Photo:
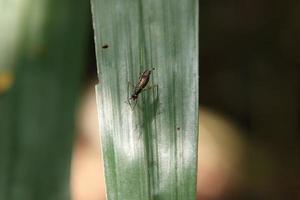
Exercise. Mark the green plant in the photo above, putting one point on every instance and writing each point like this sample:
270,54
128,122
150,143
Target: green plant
150,152
37,113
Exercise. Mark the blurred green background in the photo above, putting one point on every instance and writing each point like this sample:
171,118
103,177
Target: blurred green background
249,74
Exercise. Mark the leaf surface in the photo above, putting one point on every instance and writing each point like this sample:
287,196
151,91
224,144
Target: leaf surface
150,151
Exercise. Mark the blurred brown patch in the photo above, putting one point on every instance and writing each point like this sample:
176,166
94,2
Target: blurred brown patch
6,81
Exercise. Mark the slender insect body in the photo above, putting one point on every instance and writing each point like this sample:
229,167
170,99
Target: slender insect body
140,86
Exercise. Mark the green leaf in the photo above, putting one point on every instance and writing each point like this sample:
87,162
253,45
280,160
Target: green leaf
150,151
36,114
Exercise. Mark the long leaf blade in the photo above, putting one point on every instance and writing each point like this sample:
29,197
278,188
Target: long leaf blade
150,152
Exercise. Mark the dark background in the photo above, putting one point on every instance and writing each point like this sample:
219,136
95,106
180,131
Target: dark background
249,70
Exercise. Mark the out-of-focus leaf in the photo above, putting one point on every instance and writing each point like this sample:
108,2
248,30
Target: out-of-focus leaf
150,152
11,17
36,114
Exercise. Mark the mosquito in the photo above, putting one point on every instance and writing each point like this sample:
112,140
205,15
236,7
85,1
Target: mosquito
140,86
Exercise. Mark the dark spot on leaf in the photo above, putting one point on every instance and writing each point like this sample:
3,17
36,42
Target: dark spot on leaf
178,128
105,46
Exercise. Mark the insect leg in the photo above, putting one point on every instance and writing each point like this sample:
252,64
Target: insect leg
128,94
134,104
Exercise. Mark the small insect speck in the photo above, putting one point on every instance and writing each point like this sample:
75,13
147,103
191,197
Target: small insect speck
178,128
140,86
105,46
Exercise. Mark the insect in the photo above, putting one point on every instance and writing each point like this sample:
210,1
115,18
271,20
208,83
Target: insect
140,86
